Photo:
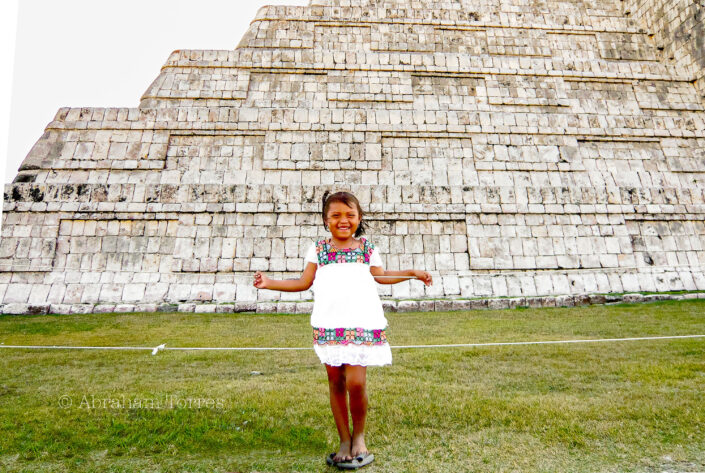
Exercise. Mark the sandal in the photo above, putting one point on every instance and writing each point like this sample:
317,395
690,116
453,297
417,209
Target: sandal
331,462
357,462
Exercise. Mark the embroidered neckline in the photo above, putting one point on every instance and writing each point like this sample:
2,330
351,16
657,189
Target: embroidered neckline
327,254
361,241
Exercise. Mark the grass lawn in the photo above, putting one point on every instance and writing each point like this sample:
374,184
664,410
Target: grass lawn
594,407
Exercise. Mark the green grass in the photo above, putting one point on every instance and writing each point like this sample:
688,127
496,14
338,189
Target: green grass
598,407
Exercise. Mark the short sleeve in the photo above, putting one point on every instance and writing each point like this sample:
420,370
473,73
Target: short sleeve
375,258
311,255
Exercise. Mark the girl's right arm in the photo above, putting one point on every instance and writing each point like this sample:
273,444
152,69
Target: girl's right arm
287,285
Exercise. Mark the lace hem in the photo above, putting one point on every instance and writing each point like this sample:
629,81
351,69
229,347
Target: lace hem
363,355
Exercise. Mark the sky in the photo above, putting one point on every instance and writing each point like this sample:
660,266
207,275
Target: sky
97,53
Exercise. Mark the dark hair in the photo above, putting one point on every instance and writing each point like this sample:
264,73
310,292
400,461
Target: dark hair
346,198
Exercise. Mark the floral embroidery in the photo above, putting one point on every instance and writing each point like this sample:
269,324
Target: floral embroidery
327,254
346,336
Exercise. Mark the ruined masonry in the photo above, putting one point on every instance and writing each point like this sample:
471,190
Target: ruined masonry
535,152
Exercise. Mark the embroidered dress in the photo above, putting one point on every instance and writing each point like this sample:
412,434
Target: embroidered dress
347,319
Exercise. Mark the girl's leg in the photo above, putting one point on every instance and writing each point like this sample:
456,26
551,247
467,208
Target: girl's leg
356,383
339,406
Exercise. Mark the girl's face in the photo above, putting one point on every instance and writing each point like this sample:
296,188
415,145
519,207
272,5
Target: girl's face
342,220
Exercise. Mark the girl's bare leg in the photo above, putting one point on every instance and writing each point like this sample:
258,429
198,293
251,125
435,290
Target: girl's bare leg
339,406
356,383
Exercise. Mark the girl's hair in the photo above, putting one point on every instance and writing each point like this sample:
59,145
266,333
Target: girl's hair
346,198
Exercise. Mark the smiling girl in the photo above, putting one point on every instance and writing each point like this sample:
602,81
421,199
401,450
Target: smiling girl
349,327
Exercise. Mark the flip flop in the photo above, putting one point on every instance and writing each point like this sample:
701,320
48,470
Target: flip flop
357,462
330,461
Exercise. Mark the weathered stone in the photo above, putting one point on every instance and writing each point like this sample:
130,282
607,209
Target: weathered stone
520,164
286,308
460,304
124,308
103,308
60,308
208,308
25,309
167,308
478,304
498,304
657,297
85,309
408,306
389,306
145,307
633,297
266,307
443,306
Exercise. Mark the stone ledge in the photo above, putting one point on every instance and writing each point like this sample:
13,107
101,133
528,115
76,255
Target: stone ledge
305,307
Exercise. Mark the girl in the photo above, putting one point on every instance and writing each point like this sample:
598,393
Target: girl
348,321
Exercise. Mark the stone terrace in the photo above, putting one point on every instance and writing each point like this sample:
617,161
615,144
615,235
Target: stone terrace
542,151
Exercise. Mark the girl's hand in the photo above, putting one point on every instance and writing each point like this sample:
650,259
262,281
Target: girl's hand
423,276
261,281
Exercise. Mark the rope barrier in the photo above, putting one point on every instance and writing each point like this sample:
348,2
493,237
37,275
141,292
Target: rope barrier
163,346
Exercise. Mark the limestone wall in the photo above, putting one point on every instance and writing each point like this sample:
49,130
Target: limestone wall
512,149
678,29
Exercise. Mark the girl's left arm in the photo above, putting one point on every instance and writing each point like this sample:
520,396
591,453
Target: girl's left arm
418,274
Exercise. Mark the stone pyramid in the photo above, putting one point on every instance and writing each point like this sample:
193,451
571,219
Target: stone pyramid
524,152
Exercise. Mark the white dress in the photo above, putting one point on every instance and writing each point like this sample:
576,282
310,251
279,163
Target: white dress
348,320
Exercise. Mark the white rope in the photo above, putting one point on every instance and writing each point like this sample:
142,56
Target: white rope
549,342
163,346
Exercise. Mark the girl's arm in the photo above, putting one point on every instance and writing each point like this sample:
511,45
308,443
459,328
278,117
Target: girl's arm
287,285
418,274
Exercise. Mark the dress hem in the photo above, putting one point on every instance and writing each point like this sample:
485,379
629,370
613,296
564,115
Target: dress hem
351,354
357,364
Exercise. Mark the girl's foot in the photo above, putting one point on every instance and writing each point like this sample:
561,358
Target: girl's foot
344,454
358,446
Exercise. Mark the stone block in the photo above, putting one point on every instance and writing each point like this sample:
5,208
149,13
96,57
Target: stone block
205,308
460,304
224,292
286,308
389,306
39,294
84,309
146,307
103,308
478,304
304,307
565,301
167,307
133,292
187,307
497,304
632,297
17,293
408,306
426,306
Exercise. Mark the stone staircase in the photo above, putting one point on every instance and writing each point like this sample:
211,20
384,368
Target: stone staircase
525,153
